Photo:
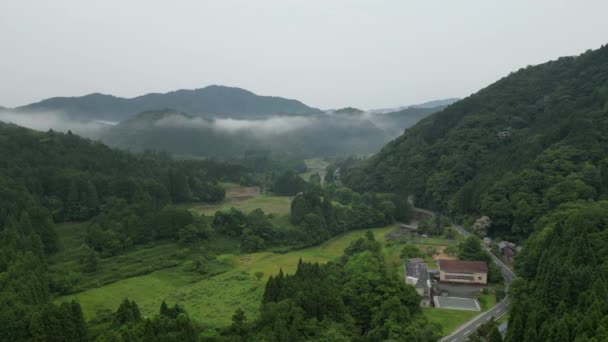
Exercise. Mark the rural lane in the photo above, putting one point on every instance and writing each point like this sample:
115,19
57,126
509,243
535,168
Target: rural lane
500,309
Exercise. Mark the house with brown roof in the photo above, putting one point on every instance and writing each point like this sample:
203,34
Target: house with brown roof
463,271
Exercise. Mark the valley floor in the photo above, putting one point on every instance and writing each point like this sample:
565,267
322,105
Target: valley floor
213,300
163,272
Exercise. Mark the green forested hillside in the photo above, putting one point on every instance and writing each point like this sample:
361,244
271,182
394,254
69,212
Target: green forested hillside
562,296
512,151
396,122
531,152
124,206
53,177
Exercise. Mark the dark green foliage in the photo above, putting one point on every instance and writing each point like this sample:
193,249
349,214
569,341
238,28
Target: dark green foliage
354,299
486,332
254,229
75,178
90,263
231,223
288,184
122,225
173,324
513,151
128,312
411,251
46,177
59,323
319,218
495,336
239,329
564,266
470,249
172,312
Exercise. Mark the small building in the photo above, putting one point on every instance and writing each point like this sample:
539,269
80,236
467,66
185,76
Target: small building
463,271
417,274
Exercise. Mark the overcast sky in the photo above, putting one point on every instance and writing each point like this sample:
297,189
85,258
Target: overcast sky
328,54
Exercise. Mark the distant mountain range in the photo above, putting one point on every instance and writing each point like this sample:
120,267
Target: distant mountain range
429,104
211,101
218,121
346,131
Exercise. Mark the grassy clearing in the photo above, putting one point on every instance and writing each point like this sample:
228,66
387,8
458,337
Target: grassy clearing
487,301
268,203
447,318
451,319
213,300
314,165
434,241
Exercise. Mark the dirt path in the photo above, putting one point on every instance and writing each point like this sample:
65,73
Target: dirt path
442,255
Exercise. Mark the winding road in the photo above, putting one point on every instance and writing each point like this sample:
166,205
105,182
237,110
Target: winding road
500,309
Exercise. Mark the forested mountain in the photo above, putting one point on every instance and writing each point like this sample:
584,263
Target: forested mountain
531,152
349,110
512,151
428,104
436,103
212,101
306,136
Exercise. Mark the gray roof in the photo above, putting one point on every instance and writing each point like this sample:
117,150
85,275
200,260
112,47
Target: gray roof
418,270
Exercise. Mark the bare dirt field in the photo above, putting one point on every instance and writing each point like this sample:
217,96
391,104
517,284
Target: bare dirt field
442,255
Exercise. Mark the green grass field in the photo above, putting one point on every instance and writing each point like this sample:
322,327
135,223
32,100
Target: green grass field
448,319
268,203
211,301
434,241
314,165
452,319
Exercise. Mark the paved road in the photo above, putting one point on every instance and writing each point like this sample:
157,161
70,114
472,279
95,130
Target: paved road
460,334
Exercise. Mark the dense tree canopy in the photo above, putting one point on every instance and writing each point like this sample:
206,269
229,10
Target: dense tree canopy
54,177
513,151
356,298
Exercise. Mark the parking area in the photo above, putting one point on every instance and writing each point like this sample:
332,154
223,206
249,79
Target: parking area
456,303
458,290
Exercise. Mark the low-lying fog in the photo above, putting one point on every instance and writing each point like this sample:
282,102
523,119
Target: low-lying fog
44,121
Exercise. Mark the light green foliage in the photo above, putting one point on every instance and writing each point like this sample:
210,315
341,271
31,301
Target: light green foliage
411,251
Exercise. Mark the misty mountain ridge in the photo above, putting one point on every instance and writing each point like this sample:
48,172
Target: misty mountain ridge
347,110
210,101
428,104
311,135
